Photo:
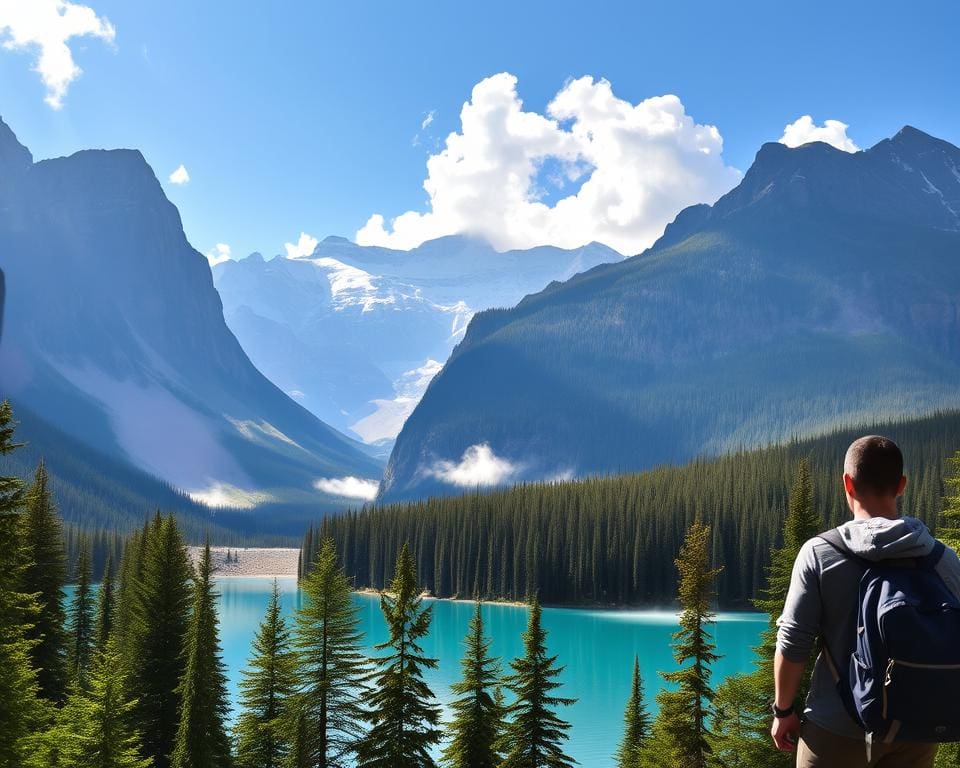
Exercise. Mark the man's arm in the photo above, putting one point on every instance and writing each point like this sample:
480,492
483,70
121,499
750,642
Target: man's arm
786,683
797,630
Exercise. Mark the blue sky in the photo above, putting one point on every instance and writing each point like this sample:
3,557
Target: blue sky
302,116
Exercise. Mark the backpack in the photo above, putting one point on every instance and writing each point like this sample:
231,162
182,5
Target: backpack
904,674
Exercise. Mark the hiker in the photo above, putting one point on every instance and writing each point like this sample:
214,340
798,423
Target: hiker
878,546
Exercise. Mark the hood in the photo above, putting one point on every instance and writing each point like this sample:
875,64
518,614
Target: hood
879,538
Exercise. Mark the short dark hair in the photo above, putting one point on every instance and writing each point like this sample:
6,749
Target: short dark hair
876,465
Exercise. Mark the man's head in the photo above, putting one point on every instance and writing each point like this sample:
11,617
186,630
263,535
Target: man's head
873,475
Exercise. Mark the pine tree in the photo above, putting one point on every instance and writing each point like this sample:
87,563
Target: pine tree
128,598
202,740
20,711
330,666
93,728
741,733
534,735
636,723
105,608
949,529
160,617
477,718
266,691
746,698
685,712
403,714
45,575
81,622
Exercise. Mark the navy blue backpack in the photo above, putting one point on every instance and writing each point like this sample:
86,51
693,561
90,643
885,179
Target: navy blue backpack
904,675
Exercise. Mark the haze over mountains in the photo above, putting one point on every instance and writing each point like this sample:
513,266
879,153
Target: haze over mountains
356,333
824,289
115,334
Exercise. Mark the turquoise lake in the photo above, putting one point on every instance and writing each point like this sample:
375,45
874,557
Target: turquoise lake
596,648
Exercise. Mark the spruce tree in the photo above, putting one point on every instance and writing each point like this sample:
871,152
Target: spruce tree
534,734
156,656
81,620
477,718
636,723
402,712
44,575
685,712
103,629
262,730
202,740
20,711
330,666
128,597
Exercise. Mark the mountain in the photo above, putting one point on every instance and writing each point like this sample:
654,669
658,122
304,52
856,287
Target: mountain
823,290
356,333
114,333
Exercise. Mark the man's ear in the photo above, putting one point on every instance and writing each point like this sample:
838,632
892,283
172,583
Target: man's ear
902,486
848,485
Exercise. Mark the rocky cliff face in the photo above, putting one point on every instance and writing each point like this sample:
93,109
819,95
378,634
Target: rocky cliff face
824,289
115,333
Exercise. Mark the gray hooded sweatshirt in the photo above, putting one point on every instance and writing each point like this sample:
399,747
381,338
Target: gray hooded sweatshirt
822,602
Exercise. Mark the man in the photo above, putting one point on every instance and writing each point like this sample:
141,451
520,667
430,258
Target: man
822,603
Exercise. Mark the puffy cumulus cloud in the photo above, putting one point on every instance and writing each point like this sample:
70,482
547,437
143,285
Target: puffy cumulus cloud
803,130
218,254
348,487
45,28
303,248
620,171
478,466
180,176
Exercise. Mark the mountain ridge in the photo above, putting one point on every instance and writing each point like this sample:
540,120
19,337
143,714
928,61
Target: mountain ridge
818,257
114,332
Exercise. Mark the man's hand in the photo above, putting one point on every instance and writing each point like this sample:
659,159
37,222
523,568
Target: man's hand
785,732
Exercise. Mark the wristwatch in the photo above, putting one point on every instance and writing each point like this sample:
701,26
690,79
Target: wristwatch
780,713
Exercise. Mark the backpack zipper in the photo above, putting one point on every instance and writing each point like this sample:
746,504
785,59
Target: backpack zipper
912,665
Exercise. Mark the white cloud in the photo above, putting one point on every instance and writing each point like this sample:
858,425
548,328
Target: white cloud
428,119
303,248
803,130
45,27
478,466
348,487
218,254
180,176
639,165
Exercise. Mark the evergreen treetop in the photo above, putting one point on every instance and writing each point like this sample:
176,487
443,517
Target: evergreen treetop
266,690
476,727
330,666
636,722
534,734
402,712
202,740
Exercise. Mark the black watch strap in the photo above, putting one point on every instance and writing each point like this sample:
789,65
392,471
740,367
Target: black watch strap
780,713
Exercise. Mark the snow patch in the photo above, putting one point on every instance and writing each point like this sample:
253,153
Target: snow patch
254,431
219,495
386,422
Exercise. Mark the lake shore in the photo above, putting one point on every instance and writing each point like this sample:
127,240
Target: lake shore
251,562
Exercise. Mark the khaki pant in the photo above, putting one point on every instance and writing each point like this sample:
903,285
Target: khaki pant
821,749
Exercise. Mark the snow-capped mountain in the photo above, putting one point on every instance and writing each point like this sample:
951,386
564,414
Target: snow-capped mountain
355,334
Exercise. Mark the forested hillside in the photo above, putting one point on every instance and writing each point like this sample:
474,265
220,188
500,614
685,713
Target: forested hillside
613,540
